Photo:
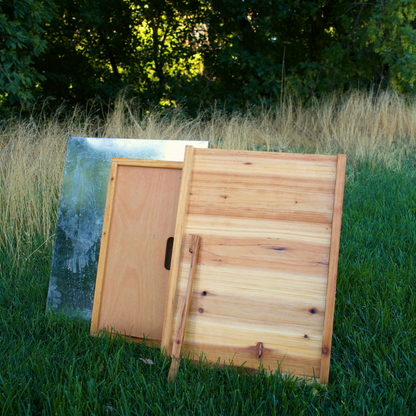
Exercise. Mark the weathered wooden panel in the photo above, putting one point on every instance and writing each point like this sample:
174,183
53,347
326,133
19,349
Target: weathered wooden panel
264,287
132,281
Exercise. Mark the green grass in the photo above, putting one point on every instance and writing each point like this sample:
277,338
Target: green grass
51,365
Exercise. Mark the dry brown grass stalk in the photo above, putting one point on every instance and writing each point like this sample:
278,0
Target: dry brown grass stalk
380,128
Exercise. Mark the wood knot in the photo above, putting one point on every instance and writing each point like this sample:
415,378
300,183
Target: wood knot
260,349
325,350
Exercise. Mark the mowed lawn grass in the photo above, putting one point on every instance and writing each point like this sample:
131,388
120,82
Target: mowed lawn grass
51,365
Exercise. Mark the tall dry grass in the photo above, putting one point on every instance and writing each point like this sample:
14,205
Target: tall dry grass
380,128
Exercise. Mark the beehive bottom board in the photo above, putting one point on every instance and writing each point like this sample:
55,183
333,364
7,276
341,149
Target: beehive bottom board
264,286
132,277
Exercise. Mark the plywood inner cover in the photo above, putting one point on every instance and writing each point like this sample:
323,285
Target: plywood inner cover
135,279
260,288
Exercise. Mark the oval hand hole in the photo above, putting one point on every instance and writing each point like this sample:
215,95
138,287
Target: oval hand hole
168,255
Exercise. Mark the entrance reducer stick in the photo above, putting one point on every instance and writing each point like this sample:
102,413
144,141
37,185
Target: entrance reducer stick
183,310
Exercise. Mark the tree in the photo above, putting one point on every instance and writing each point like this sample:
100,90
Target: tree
169,40
356,44
22,28
233,52
392,33
91,50
97,47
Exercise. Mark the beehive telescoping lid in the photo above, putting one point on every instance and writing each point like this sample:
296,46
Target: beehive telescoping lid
264,287
81,213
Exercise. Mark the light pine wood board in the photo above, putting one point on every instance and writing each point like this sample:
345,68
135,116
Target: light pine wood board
265,281
140,216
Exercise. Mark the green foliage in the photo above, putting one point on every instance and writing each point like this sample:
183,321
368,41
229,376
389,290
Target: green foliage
392,32
91,46
203,53
241,52
97,47
50,365
22,25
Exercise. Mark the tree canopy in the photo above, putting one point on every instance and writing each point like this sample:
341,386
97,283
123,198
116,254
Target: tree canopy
201,52
22,38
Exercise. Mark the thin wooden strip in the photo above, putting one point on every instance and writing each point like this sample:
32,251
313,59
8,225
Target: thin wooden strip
295,158
266,213
277,244
275,284
274,177
275,182
301,289
103,248
241,352
267,207
285,186
298,347
268,170
233,326
144,163
183,312
290,362
177,248
332,269
264,253
245,353
217,197
278,310
260,228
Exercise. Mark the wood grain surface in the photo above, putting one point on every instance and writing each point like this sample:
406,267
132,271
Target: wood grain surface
332,269
177,248
132,281
265,284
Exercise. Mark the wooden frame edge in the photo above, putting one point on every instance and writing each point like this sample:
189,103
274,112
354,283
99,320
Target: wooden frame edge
96,307
332,269
177,246
146,163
